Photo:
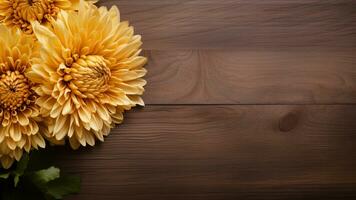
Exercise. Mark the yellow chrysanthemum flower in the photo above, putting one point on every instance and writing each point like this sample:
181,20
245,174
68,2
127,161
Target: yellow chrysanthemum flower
90,71
20,13
19,128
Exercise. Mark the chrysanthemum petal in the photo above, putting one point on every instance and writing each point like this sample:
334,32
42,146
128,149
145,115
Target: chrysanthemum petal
22,119
15,133
93,73
19,113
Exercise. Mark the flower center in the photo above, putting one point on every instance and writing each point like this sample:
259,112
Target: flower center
15,90
88,76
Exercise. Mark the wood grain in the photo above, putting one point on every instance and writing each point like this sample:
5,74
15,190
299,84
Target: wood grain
234,98
242,24
223,152
251,77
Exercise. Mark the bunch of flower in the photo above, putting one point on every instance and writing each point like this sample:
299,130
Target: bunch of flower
68,71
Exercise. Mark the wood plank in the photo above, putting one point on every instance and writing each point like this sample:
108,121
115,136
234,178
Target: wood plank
251,77
223,152
242,24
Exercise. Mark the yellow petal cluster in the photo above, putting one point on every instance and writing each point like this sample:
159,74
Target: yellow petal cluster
19,114
72,82
88,73
20,13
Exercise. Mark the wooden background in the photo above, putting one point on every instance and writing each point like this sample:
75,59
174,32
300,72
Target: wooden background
246,99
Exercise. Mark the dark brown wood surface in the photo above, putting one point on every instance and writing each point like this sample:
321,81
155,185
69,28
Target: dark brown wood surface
246,99
251,77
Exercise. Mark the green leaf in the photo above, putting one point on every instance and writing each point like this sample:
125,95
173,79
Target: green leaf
41,177
31,184
63,186
22,165
49,182
16,180
20,168
5,176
